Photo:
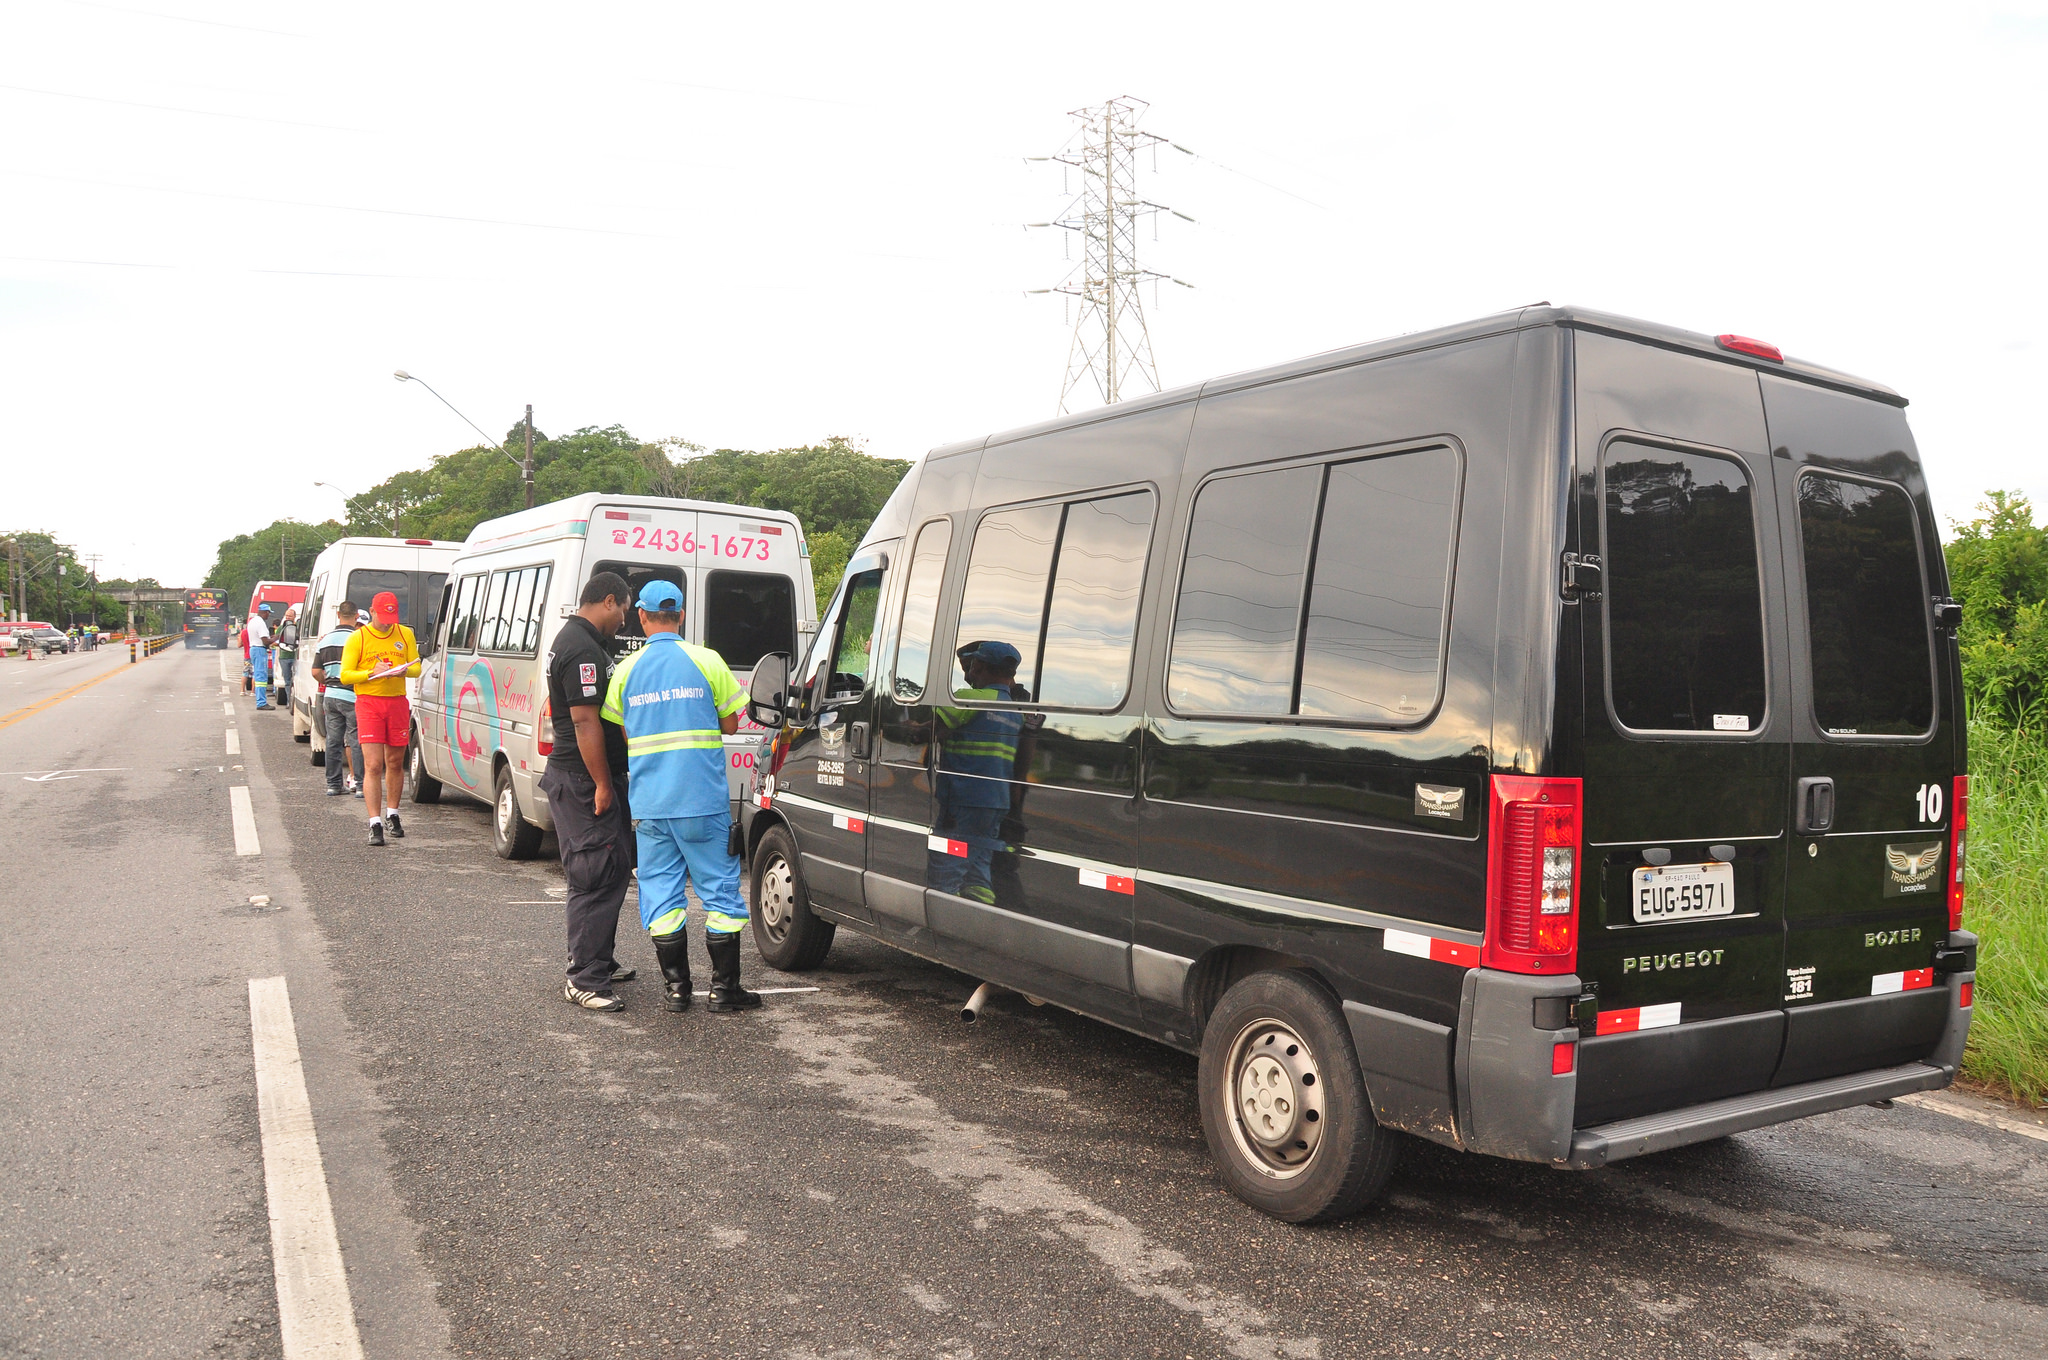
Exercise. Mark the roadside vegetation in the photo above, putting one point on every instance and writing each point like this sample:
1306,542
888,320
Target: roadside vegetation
1998,568
833,488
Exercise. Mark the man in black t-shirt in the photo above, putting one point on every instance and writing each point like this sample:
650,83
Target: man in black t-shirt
585,784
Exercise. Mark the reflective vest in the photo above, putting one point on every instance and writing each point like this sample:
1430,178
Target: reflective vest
669,697
981,742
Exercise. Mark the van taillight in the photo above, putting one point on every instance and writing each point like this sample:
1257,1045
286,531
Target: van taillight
1532,876
544,730
1958,828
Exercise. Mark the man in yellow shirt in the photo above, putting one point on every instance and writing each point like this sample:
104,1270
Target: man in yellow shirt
376,663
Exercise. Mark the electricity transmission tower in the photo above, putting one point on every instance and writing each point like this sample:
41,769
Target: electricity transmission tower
1111,344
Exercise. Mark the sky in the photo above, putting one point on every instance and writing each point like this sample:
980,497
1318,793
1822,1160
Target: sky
224,225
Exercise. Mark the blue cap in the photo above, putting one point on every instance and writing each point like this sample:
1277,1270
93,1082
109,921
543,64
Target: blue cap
661,597
999,654
263,609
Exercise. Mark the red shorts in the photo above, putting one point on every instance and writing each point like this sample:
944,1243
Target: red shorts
383,719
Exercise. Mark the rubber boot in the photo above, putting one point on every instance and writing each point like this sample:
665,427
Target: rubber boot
726,993
674,953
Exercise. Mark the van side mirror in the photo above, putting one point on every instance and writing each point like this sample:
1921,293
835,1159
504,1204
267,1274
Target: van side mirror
768,690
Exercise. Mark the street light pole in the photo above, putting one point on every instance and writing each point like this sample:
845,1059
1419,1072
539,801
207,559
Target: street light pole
525,468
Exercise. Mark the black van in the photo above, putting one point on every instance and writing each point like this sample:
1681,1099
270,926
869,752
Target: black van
1542,736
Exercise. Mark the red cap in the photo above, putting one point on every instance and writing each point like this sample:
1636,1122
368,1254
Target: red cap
384,607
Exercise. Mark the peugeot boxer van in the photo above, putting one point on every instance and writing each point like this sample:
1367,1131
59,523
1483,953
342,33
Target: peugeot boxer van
1541,736
415,570
481,724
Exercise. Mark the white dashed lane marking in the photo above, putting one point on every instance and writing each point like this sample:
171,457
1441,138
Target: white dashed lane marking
314,1314
234,742
245,821
227,708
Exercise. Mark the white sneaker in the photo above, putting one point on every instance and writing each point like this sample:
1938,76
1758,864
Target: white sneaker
590,1001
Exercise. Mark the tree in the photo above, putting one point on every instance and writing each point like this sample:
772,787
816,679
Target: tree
1998,569
59,587
283,551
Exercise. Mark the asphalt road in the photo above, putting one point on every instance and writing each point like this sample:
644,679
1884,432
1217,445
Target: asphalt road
849,1173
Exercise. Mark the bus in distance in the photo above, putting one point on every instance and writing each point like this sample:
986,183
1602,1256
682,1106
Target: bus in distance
206,618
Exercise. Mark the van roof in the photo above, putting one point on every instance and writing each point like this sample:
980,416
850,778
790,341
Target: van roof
576,510
1522,318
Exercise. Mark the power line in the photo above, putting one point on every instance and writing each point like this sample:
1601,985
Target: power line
1111,345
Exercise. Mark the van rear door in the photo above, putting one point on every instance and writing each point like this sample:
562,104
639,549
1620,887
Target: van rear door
1874,742
1686,742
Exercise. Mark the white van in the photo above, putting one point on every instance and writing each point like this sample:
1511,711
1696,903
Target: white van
481,724
356,569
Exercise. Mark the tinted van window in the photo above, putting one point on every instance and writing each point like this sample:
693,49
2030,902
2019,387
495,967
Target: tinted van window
748,614
1685,643
1091,617
365,582
638,576
462,631
1373,639
921,609
1866,608
1239,613
1004,600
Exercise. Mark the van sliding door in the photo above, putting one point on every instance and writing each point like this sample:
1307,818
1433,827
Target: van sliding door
1686,735
1874,747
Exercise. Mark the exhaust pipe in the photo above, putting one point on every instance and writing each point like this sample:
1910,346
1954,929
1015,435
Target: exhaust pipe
972,1010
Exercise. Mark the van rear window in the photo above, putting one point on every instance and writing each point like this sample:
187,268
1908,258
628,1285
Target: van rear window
1866,609
748,614
1685,640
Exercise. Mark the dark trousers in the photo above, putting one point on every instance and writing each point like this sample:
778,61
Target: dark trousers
597,862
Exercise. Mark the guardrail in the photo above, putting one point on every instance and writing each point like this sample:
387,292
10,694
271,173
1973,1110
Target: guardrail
150,646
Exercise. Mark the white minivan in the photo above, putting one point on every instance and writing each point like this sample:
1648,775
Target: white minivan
481,724
357,569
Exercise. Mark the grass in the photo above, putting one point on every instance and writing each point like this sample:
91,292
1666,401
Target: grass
2006,904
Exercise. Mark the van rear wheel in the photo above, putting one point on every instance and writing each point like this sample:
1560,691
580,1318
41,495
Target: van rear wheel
790,936
512,836
1283,1102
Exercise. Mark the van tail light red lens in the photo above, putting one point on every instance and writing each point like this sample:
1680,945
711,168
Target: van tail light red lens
1561,1058
1958,842
544,730
1742,344
1532,875
420,542
1969,994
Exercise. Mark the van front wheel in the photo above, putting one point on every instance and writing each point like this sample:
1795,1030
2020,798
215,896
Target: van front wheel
790,936
425,788
1283,1103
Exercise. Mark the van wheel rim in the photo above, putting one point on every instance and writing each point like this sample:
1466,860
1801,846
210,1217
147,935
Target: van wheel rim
778,898
505,813
1275,1092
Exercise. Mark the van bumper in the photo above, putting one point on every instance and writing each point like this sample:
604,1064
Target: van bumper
1626,1138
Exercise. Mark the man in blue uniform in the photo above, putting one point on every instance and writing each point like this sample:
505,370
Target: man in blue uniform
676,703
977,760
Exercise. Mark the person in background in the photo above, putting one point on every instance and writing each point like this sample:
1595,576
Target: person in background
376,663
337,705
259,655
677,703
287,655
248,681
585,785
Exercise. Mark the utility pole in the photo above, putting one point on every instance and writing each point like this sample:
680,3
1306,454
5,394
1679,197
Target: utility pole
526,468
1111,344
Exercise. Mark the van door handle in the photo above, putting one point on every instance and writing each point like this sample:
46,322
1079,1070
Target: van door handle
857,739
1816,805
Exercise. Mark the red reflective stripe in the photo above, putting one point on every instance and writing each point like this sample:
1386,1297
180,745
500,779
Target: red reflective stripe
1450,951
946,847
1919,977
1116,883
1430,947
1637,1018
853,824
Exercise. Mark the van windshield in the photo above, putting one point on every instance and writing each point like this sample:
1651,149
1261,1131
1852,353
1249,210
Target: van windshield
1866,609
1685,642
